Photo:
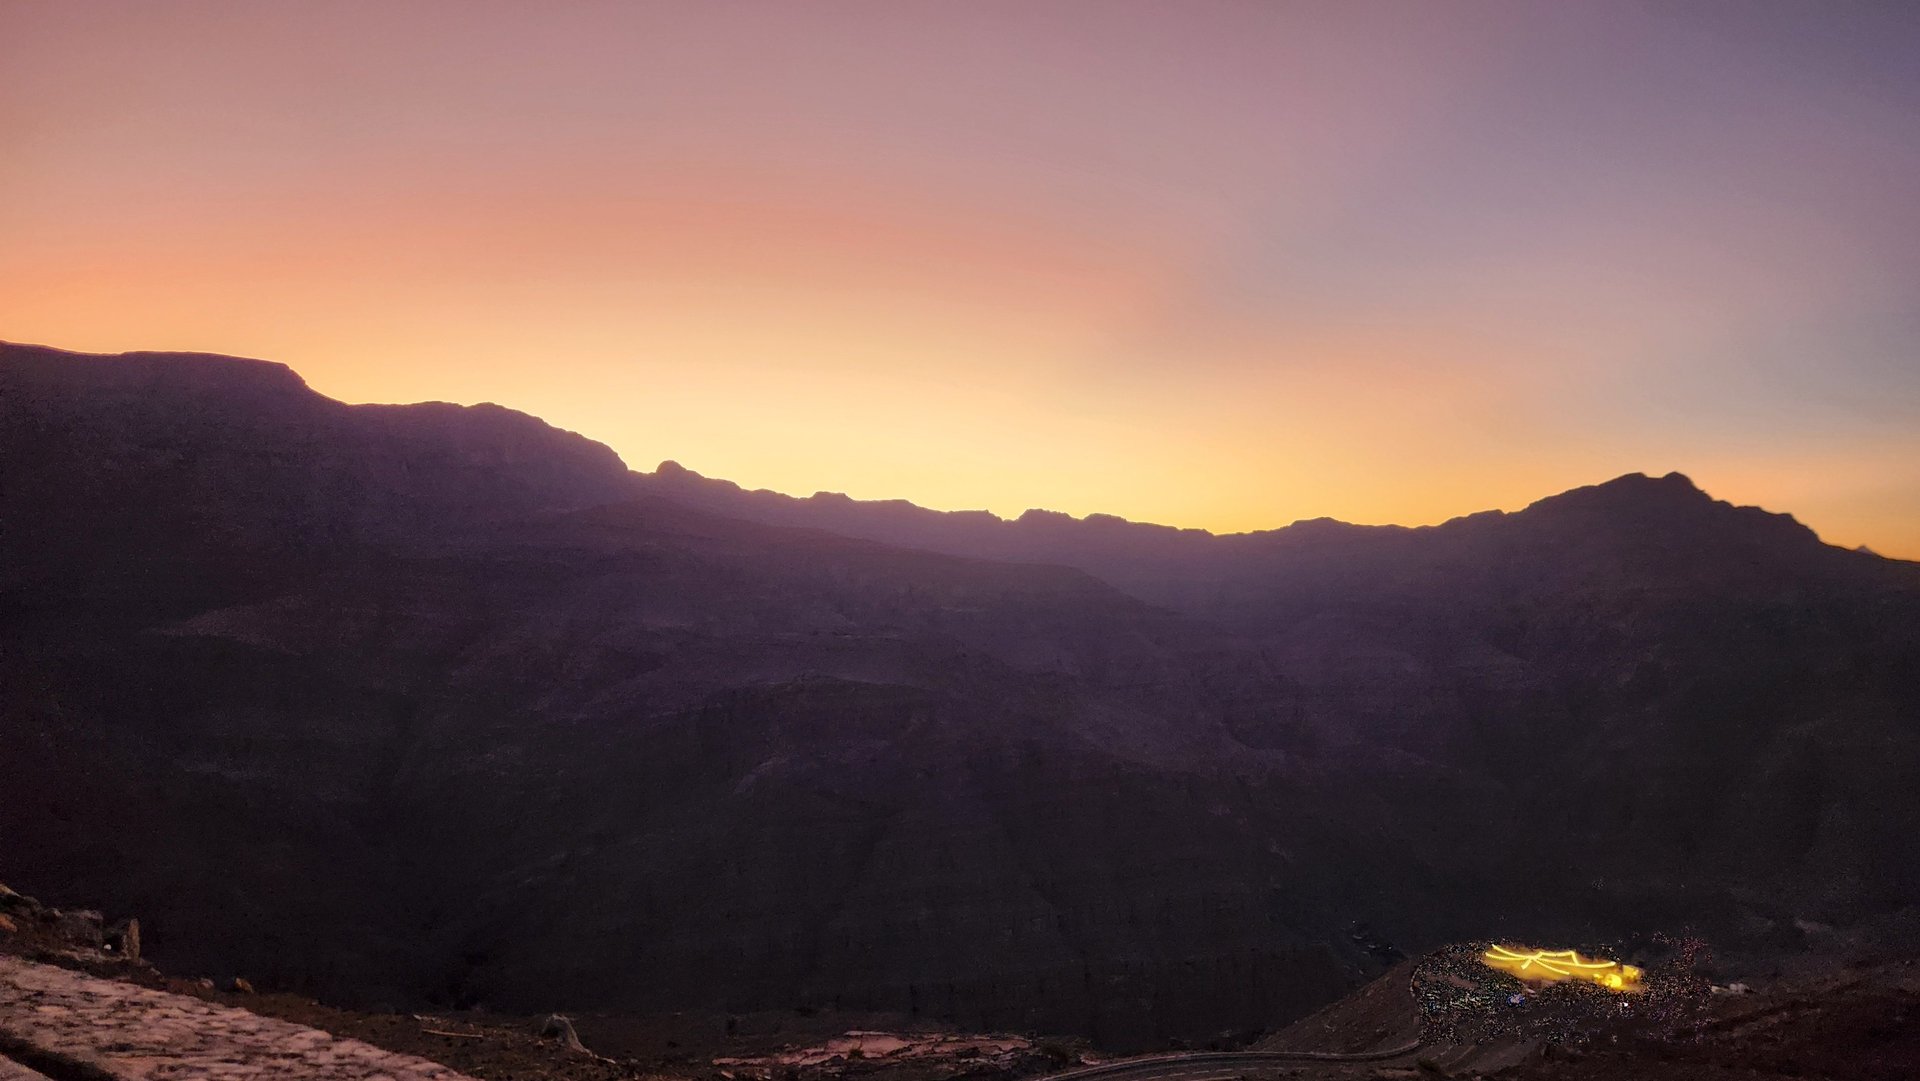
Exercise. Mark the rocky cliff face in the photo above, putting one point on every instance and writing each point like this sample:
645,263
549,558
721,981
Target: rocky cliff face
435,704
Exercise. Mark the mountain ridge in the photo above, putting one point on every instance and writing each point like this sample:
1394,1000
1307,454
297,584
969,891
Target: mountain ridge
212,372
438,704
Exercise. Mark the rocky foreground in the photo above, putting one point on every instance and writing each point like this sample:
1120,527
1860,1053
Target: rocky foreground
64,1021
77,1003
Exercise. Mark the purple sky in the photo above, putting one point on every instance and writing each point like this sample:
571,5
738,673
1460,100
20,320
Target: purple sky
1215,264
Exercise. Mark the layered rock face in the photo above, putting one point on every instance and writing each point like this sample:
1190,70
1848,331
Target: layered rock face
433,704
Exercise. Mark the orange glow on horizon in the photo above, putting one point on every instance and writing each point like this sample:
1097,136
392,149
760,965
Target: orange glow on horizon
842,420
1386,271
846,423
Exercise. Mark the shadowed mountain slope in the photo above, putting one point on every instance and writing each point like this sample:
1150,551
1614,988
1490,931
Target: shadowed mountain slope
1632,532
440,704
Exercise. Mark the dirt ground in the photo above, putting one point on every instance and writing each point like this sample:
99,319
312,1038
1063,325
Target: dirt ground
1860,1025
1858,1022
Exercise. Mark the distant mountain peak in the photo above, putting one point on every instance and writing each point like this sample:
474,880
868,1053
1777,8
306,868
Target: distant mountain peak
1632,493
1672,481
481,456
206,375
1040,514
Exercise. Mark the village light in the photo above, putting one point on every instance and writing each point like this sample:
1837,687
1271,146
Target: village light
1553,966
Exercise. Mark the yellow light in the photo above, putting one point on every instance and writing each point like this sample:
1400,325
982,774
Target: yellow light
1553,966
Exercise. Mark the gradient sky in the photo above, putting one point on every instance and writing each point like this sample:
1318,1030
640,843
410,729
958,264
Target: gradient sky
1212,264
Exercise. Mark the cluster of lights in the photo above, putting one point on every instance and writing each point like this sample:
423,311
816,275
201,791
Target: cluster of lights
1552,966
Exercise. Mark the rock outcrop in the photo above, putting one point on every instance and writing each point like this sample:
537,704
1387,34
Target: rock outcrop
79,937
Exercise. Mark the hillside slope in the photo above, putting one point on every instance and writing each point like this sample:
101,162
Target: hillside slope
440,704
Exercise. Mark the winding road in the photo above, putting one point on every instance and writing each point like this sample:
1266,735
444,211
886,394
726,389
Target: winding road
1217,1065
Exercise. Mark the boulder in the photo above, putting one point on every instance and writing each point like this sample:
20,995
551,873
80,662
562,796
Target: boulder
123,938
557,1027
81,927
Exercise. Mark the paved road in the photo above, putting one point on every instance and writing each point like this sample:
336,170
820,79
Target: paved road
72,1025
1215,1065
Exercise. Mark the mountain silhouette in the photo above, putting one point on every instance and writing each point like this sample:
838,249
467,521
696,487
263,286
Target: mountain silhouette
441,704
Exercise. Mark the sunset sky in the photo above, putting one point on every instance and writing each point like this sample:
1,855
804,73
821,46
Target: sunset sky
1210,264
